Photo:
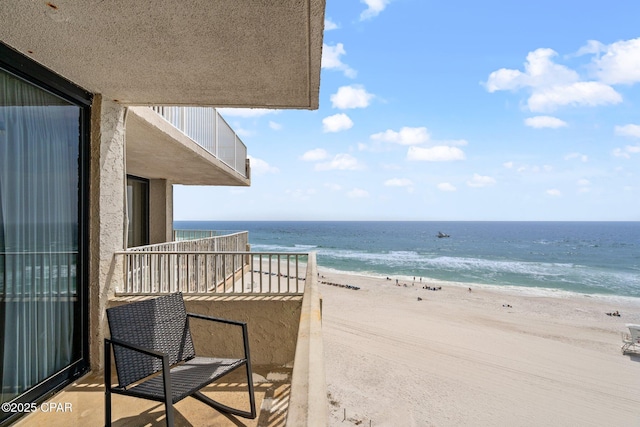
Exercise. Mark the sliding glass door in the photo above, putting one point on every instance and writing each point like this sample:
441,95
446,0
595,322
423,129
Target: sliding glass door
42,239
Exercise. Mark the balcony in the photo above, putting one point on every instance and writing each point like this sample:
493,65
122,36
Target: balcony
275,293
185,145
209,130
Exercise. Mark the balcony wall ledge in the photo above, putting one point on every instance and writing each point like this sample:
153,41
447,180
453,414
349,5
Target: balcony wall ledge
308,405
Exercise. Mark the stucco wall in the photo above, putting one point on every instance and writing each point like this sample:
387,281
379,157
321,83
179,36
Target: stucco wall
272,324
106,217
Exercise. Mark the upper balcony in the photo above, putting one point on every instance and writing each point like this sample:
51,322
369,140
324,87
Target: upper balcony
185,145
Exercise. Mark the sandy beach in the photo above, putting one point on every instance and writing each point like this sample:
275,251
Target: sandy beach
487,357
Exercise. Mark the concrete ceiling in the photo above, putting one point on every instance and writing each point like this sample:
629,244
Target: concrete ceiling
238,53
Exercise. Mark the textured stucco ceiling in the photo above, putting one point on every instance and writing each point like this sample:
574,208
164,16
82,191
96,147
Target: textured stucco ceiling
244,53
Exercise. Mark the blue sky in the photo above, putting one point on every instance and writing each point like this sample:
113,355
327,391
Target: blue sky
457,110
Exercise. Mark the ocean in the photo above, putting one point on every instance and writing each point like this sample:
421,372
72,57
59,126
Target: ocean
594,258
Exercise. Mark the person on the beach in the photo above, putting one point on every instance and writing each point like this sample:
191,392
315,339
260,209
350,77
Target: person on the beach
469,289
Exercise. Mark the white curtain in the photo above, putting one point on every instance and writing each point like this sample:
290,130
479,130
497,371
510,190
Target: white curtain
39,176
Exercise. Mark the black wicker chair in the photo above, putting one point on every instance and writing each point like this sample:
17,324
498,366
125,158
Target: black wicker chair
153,337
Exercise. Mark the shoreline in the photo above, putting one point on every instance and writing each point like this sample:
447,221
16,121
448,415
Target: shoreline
531,291
480,358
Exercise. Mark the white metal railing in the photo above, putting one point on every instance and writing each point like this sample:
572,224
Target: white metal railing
211,273
210,264
208,129
179,235
216,241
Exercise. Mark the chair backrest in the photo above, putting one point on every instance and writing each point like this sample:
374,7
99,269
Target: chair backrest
159,324
634,330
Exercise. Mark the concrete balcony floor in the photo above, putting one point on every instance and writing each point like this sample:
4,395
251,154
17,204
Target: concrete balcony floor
85,397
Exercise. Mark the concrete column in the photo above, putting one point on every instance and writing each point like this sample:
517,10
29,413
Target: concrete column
160,211
107,193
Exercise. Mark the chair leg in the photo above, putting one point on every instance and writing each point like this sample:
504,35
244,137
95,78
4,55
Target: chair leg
107,408
168,395
223,408
107,384
251,414
169,411
252,397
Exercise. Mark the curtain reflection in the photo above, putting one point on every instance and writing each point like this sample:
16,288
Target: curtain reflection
39,165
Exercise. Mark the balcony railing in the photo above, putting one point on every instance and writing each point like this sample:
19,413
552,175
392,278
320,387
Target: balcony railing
220,264
208,129
179,235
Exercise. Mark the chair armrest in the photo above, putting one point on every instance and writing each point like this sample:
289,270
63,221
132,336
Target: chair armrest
147,351
153,353
216,319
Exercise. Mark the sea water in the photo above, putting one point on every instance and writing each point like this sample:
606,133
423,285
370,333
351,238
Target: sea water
596,258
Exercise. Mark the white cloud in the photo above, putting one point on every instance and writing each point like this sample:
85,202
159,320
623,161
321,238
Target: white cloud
358,193
539,122
354,96
330,25
362,146
391,167
579,94
628,130
333,187
398,182
584,186
524,168
552,85
314,155
445,186
627,151
246,112
406,136
275,126
633,149
331,59
592,47
301,194
620,63
340,162
540,71
582,157
480,181
439,153
260,167
336,123
374,7
554,192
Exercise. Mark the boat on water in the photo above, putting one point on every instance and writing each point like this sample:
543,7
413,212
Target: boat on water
441,235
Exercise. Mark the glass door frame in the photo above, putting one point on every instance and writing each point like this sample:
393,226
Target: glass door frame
24,68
